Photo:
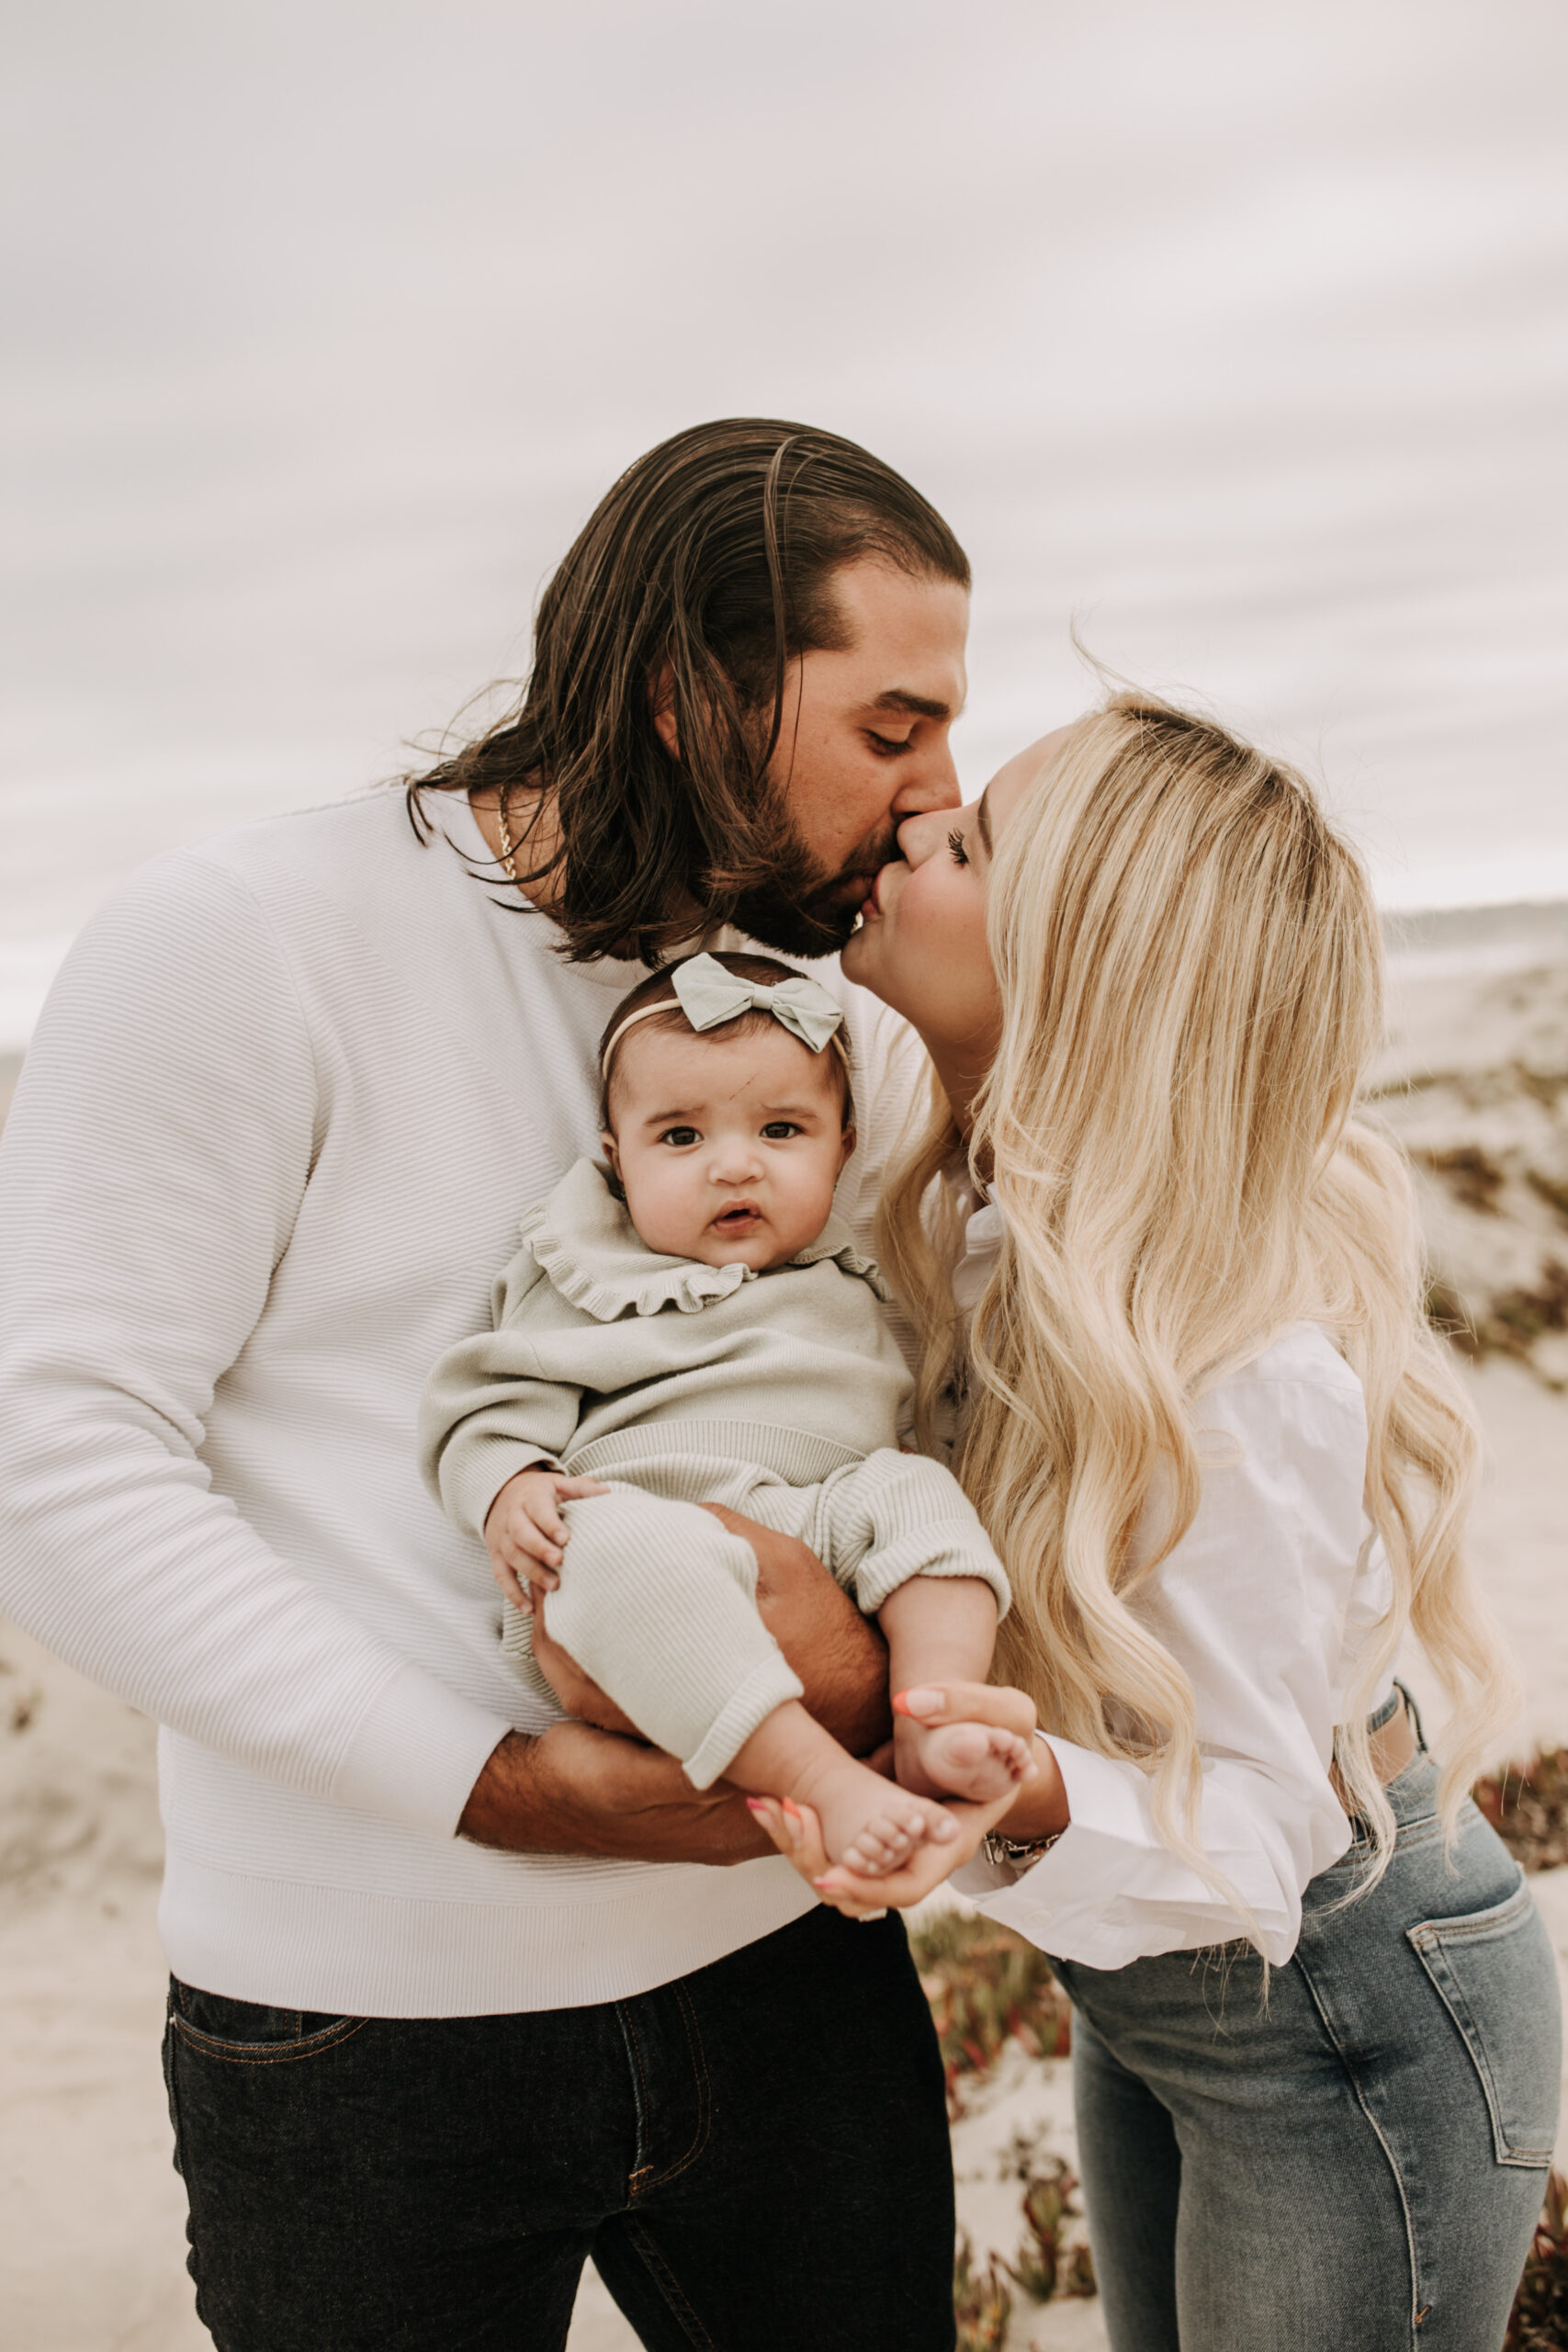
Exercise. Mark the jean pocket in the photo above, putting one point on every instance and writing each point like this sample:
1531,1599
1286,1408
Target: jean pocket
249,2033
1497,1977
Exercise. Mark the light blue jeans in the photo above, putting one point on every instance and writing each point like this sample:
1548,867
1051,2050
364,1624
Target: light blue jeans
1360,2166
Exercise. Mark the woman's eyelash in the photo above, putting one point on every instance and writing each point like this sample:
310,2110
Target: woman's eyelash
956,843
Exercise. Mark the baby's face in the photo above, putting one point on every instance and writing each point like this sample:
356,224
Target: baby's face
728,1149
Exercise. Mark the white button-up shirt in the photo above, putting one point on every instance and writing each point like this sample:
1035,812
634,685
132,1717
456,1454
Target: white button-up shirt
1268,1602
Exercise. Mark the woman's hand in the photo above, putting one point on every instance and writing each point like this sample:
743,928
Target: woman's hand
796,1832
1039,1808
968,1703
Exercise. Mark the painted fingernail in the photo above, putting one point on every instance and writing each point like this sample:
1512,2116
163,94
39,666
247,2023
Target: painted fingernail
755,1804
791,1808
919,1701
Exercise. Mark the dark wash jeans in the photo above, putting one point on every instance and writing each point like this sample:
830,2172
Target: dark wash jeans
756,2156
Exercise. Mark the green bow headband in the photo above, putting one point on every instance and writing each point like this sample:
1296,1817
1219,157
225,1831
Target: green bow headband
709,996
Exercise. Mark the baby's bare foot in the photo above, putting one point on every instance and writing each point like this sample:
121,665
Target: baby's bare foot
872,1826
979,1761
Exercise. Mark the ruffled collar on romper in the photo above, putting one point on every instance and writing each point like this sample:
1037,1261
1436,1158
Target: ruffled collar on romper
589,1250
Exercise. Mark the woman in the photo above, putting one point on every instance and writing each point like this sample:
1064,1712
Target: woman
1175,1295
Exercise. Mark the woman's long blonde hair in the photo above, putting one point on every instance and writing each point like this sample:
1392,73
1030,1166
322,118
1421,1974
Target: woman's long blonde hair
1189,966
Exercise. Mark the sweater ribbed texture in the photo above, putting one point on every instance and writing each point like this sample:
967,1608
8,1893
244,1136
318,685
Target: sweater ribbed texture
287,1102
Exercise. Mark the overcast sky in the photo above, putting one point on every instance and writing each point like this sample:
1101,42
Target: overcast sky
1238,332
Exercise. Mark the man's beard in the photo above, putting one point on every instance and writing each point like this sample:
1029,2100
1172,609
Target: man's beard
800,909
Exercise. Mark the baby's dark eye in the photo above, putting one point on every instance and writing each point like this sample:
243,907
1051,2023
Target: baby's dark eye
679,1138
779,1130
956,843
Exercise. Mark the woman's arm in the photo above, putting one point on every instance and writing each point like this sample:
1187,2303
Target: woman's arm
1253,1603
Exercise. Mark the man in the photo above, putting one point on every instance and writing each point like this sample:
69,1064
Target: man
458,1995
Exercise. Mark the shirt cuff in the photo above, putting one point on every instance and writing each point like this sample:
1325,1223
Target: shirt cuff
417,1753
1102,1794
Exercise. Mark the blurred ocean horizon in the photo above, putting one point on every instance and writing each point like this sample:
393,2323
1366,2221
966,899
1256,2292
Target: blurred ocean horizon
1427,944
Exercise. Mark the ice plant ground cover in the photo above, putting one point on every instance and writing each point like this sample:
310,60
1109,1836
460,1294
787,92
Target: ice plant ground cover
986,1984
988,1987
1052,2259
1528,1806
1540,2320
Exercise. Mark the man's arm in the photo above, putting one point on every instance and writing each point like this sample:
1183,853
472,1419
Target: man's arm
577,1791
838,1653
150,1172
580,1790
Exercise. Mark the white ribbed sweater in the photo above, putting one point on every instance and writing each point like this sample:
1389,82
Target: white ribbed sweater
285,1106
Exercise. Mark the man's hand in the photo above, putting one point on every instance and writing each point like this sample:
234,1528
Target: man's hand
582,1790
838,1655
576,1790
577,1692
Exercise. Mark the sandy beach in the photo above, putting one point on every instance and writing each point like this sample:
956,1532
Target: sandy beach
1474,1081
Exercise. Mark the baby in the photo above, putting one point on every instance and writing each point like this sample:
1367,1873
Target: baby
694,1325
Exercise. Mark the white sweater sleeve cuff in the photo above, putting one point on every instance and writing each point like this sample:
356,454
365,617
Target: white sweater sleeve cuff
417,1753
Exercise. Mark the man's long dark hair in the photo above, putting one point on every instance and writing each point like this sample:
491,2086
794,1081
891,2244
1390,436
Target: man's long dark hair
709,564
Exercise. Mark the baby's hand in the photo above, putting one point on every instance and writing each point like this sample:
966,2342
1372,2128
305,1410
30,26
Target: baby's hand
978,1760
525,1534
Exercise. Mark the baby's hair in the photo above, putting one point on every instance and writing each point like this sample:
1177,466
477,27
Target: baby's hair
660,988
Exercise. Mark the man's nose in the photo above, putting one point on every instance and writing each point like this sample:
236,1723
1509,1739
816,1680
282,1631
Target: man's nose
922,834
930,783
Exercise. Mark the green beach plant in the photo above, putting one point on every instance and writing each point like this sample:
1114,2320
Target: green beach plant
982,2303
986,1984
1528,1806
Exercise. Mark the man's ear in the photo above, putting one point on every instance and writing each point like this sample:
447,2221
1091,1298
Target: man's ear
662,697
